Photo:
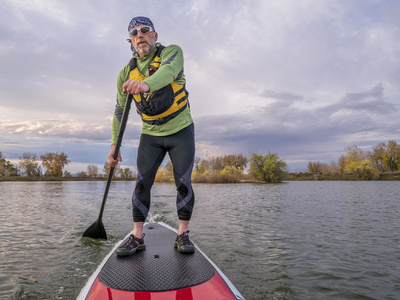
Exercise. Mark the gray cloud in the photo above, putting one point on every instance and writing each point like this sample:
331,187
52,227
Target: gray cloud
303,79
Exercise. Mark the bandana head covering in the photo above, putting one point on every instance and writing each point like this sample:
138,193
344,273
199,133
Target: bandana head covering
140,21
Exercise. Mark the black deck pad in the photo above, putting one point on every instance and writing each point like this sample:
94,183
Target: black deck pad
157,268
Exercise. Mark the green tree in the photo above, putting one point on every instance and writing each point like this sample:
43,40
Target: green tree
12,170
267,167
2,160
106,169
54,163
125,173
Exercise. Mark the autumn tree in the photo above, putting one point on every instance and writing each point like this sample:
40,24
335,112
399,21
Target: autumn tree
219,163
216,163
267,167
386,157
29,164
342,163
169,167
165,173
354,154
356,162
54,163
363,170
393,155
314,167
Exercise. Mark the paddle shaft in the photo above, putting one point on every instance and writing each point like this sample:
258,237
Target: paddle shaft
124,120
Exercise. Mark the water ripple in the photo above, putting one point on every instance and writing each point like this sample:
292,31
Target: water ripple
297,240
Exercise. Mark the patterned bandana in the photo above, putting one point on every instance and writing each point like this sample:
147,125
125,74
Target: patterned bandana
140,21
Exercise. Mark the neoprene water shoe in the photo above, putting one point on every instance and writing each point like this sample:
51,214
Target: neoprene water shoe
183,243
130,246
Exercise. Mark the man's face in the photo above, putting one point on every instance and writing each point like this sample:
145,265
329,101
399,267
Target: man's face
144,43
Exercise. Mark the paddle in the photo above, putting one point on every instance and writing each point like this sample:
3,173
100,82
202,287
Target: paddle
97,230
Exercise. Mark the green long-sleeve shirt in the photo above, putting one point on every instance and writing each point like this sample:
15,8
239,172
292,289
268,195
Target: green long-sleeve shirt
171,68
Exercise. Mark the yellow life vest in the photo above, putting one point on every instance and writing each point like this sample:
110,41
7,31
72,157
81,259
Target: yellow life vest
160,106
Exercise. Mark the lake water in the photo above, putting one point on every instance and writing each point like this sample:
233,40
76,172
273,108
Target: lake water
295,240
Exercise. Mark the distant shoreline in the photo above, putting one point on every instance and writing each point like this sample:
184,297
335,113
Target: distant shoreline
298,176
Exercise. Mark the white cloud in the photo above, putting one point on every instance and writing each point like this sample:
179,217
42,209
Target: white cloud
53,10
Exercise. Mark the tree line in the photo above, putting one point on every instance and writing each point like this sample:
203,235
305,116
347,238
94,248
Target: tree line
364,165
52,164
93,172
232,168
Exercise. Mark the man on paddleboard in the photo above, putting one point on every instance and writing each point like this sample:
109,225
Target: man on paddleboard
155,78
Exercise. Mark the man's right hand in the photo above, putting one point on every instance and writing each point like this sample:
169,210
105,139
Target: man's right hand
111,161
134,87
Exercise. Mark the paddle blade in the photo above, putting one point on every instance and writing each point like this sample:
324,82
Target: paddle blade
96,231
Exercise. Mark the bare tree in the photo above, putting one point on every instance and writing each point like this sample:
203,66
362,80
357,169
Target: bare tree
106,169
92,171
29,164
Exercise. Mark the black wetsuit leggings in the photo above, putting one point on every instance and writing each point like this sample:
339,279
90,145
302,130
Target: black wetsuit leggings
151,153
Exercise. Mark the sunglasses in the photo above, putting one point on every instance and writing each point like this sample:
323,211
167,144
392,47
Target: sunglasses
143,30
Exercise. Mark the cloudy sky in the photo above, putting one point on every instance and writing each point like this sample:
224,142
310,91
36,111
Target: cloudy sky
301,78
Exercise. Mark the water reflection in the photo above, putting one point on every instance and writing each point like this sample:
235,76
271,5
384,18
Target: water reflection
298,240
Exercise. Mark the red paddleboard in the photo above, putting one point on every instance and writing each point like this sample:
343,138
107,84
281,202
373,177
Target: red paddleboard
159,273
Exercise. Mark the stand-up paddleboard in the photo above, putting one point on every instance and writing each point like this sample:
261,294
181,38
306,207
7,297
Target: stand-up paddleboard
159,273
